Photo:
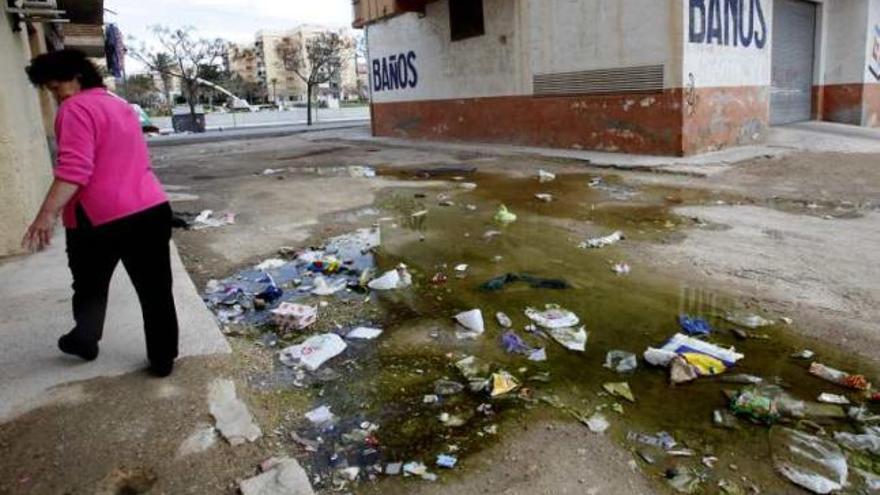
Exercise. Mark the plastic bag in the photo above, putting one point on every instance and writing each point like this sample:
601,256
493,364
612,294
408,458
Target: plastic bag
502,383
398,278
808,461
694,326
504,216
856,382
292,316
314,351
570,338
472,320
553,317
621,361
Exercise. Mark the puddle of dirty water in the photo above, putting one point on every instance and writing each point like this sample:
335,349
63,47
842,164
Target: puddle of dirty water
377,388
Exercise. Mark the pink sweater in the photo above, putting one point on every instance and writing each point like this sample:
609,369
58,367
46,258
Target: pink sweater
102,149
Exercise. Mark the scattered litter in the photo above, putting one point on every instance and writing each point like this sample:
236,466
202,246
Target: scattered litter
472,367
207,220
398,278
513,343
430,399
270,264
553,317
724,419
743,379
545,197
503,320
811,462
659,357
804,354
786,320
682,344
680,371
280,476
447,387
570,338
600,242
833,399
364,333
504,216
393,468
472,321
856,382
621,390
534,282
620,268
502,383
866,442
683,480
417,469
446,461
538,355
597,423
621,361
232,418
755,405
661,440
467,186
292,316
451,420
747,320
199,441
324,288
321,416
544,176
694,326
314,351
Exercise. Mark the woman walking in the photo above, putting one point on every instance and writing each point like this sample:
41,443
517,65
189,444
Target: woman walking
112,206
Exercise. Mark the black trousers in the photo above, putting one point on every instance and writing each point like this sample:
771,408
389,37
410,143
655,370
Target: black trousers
141,242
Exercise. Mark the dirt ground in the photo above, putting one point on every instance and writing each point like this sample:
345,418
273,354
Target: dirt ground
798,235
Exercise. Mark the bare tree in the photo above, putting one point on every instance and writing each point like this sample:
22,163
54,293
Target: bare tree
316,60
189,56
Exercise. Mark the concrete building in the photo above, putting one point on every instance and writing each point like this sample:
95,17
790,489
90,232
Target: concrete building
673,77
282,84
242,60
26,114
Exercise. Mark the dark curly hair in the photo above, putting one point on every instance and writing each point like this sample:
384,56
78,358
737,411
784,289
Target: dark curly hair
62,66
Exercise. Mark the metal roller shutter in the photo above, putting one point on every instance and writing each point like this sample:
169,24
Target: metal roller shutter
794,33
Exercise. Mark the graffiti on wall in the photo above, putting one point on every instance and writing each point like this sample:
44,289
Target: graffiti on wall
395,72
728,23
874,65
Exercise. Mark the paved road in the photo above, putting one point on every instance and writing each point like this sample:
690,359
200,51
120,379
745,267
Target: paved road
216,121
269,131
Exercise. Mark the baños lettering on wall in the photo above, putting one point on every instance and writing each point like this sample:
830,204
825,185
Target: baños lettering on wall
395,72
728,23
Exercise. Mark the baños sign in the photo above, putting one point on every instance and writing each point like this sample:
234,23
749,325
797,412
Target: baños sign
395,72
728,23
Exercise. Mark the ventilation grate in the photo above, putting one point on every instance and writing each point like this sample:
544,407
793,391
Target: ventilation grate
627,79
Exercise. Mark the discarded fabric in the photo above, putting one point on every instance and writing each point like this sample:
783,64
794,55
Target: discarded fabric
314,351
694,326
534,282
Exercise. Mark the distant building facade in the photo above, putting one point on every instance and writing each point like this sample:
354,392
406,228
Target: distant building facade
643,76
262,63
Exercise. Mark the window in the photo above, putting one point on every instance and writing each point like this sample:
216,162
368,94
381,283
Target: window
466,19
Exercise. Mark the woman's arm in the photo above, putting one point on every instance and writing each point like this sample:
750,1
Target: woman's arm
39,234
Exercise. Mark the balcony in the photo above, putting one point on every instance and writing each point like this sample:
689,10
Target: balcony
369,11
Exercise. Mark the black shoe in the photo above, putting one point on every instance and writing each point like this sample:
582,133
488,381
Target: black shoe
161,369
73,346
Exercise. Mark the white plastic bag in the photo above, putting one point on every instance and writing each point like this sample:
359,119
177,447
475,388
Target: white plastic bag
472,320
314,352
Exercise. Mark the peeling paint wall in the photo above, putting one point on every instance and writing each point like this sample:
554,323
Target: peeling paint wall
25,168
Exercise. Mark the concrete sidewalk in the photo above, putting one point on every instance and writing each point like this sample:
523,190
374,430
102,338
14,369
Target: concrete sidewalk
35,297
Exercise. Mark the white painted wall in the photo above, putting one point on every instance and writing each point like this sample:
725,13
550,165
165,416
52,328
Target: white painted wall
873,43
845,41
488,65
719,65
582,35
25,168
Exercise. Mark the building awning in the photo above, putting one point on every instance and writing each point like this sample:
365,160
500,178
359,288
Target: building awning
87,38
369,11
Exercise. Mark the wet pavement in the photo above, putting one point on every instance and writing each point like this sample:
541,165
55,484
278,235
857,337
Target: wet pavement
401,398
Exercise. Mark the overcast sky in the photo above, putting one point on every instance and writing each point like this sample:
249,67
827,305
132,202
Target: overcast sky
235,20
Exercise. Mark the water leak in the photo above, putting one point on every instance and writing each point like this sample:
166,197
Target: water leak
384,392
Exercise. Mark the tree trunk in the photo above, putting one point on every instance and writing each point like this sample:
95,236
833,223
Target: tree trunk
192,100
309,104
